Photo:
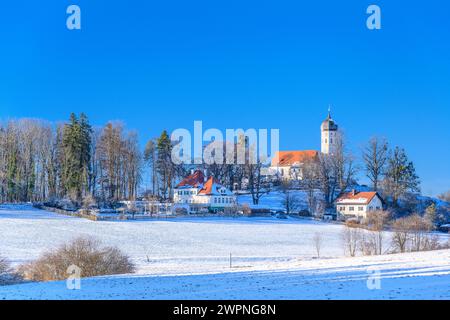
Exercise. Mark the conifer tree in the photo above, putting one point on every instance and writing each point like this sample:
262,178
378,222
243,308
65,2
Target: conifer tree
401,176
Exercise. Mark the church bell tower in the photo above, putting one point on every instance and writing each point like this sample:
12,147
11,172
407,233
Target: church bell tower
329,135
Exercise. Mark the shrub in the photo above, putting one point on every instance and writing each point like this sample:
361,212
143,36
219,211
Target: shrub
85,253
7,276
4,265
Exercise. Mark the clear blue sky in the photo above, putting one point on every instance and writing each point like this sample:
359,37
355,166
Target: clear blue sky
270,64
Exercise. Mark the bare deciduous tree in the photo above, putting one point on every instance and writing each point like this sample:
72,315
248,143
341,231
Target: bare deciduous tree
351,237
290,201
375,156
318,242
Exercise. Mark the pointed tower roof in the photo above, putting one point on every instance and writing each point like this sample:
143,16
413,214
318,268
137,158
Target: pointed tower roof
328,124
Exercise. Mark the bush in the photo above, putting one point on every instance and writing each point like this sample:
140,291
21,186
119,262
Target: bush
4,265
85,253
7,276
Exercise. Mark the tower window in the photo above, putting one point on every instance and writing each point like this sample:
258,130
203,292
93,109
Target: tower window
326,141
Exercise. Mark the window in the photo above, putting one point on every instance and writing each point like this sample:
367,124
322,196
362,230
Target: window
360,208
351,209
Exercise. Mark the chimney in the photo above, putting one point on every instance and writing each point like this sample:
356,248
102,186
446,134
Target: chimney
354,192
192,171
205,174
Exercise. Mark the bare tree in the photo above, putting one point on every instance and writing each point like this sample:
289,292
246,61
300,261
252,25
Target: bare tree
335,172
376,223
318,242
375,156
309,183
401,235
445,196
351,237
291,201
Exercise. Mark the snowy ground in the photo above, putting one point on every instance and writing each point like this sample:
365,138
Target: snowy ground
189,259
171,246
408,276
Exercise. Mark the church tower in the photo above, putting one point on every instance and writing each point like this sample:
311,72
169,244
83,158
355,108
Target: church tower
330,134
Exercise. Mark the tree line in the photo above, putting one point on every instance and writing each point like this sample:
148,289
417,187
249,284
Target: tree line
41,161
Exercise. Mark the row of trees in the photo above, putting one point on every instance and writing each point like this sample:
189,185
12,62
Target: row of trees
40,161
406,234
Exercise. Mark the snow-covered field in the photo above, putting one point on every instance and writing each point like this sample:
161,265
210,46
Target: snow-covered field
189,259
171,246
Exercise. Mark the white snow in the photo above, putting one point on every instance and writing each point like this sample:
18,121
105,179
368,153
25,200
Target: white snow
188,258
423,275
173,245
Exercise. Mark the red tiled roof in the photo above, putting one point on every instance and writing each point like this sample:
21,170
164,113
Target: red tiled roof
289,158
208,187
365,197
193,180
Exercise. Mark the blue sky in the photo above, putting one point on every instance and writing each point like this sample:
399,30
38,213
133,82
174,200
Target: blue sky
252,64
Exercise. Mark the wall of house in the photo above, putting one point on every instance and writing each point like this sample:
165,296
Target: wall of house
360,210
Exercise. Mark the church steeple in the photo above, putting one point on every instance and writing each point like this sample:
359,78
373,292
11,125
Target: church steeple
329,134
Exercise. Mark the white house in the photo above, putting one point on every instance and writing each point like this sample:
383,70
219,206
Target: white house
358,204
203,195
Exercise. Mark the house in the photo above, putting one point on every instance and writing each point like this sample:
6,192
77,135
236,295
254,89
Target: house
357,204
288,165
201,194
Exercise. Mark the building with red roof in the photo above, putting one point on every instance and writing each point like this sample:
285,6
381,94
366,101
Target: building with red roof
289,165
357,204
201,194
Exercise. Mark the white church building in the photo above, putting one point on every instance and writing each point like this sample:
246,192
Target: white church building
288,165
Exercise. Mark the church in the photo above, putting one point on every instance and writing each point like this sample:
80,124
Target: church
288,165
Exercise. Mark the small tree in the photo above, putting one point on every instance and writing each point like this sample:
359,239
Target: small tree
4,266
351,237
290,201
431,215
401,235
376,223
318,242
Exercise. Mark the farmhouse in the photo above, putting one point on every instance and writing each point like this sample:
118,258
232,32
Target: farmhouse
201,194
357,204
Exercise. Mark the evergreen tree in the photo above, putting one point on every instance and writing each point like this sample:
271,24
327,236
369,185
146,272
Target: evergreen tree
76,144
401,176
164,163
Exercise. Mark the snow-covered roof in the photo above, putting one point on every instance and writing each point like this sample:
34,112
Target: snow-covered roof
213,188
194,180
357,198
290,158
